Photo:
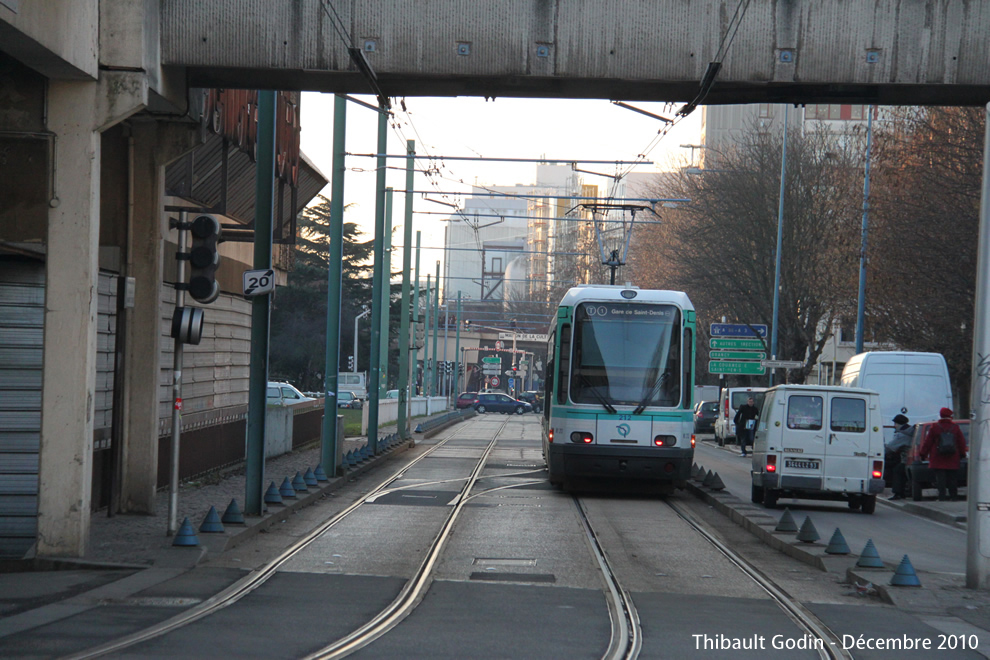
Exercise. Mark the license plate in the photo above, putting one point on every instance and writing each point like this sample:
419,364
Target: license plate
802,465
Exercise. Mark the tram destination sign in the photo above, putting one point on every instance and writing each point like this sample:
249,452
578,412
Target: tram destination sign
736,355
738,344
743,368
738,330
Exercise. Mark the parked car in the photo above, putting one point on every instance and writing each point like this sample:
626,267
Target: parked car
284,394
705,414
348,400
502,403
920,475
466,399
534,399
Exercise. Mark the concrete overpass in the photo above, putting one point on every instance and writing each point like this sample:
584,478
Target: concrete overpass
892,52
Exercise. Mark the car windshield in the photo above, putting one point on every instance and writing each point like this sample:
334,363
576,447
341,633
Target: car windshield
626,353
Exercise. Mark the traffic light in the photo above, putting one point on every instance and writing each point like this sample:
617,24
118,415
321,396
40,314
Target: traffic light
460,368
204,258
350,363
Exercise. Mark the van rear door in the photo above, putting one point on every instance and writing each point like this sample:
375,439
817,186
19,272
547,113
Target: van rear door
847,451
803,439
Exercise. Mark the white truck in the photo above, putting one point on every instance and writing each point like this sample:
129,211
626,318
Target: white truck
355,382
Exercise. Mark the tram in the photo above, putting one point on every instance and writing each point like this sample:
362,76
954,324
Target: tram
618,387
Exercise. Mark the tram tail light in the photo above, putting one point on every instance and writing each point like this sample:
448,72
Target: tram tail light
692,441
665,441
550,436
877,469
582,437
771,463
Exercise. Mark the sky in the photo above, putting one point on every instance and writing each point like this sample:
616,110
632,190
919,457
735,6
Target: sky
472,126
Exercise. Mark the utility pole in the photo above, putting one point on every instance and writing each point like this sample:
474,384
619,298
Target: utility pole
386,294
329,440
861,306
780,234
427,365
403,424
457,349
436,325
254,459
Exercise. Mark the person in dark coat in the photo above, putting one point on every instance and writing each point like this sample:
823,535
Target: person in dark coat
896,456
946,466
745,421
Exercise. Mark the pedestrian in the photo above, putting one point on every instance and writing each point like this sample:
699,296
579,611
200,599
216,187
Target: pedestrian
944,447
895,456
745,421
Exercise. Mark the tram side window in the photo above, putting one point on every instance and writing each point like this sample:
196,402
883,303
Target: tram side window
564,368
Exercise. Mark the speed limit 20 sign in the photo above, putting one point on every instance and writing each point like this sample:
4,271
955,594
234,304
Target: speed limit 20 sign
259,282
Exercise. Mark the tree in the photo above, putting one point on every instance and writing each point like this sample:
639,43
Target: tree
924,224
298,322
720,248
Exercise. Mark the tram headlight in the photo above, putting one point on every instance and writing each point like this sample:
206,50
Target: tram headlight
582,437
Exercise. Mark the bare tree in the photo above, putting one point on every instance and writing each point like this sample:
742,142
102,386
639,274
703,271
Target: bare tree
720,248
924,225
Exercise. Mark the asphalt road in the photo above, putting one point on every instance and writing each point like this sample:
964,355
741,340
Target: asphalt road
931,546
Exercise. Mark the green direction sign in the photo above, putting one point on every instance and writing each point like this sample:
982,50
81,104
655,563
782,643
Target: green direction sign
736,355
492,360
745,368
738,344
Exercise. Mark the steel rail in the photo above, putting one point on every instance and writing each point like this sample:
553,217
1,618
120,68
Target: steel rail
415,589
798,613
253,580
627,636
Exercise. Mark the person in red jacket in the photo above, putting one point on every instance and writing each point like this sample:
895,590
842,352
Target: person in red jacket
945,465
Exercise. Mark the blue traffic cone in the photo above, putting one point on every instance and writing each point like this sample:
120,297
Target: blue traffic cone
905,576
707,481
299,484
808,533
286,490
233,515
272,496
310,478
419,428
186,536
717,483
320,474
837,545
701,474
211,523
869,558
786,523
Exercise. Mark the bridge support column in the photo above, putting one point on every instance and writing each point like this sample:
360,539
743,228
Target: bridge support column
69,373
978,490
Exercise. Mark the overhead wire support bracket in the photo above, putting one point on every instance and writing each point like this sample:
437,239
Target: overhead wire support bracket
642,112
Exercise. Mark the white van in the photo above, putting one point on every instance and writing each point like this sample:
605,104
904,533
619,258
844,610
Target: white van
820,442
914,384
729,401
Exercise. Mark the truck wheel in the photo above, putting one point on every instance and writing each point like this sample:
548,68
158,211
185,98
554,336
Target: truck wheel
770,498
917,492
757,496
855,503
869,504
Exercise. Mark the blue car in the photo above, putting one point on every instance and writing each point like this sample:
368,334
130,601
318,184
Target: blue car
503,403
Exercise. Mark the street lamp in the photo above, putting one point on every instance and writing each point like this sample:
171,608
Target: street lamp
780,233
362,314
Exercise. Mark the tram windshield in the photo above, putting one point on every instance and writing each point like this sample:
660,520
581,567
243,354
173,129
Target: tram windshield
627,354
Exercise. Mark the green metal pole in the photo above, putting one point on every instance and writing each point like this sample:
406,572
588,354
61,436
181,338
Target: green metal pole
427,364
375,353
386,292
404,306
328,445
415,318
436,327
457,348
264,195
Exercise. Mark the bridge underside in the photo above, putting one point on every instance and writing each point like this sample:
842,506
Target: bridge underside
890,52
574,88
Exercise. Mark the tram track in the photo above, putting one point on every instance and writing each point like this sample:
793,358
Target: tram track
410,595
830,647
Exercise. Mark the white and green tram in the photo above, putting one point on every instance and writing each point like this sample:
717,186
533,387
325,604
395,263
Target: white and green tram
619,382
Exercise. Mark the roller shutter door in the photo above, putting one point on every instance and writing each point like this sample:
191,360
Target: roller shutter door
22,309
